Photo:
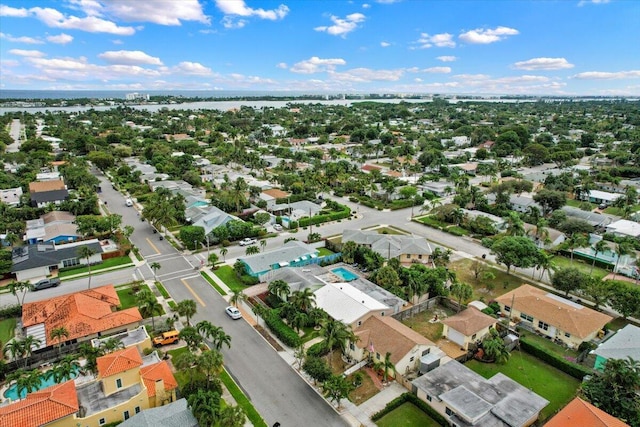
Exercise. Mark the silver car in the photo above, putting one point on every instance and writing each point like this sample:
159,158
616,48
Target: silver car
233,312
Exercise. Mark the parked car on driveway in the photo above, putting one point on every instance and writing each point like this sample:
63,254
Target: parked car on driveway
233,312
277,227
247,241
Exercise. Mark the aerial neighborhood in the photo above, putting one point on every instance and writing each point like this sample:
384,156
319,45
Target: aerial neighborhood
422,261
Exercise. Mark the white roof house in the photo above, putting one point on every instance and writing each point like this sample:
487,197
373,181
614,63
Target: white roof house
347,304
624,228
625,343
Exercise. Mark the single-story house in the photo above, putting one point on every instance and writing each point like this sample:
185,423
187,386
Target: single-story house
293,253
579,413
601,197
295,210
11,196
520,204
467,327
407,249
498,222
347,304
56,226
378,336
552,316
553,239
40,260
624,228
208,217
439,188
595,219
43,193
271,196
465,398
625,343
86,315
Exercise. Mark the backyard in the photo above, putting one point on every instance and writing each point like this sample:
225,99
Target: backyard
488,286
421,322
550,383
407,415
7,329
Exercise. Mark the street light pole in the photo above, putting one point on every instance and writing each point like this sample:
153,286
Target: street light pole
208,254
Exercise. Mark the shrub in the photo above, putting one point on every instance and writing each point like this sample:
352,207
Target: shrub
554,360
248,280
318,349
281,330
8,311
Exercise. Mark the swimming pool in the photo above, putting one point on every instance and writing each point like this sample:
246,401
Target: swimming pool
346,275
45,381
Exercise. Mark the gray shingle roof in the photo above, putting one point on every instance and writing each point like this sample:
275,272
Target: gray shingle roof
287,253
30,257
175,414
625,343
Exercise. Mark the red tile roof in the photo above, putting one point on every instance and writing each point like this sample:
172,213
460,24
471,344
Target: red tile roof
158,371
470,321
82,313
276,192
42,186
370,168
579,413
41,407
119,361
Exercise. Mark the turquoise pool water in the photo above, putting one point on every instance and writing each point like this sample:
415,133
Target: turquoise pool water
12,392
346,275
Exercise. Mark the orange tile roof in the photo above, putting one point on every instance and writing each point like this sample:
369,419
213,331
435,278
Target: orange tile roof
158,371
82,313
395,174
469,321
553,310
277,193
386,334
119,361
42,186
42,407
579,413
370,168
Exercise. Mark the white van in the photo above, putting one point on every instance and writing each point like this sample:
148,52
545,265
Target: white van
128,202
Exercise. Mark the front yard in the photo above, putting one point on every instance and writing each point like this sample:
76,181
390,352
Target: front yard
123,261
228,275
550,383
486,287
407,415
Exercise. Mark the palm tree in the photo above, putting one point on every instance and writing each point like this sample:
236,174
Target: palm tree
187,308
263,244
299,320
16,287
280,289
210,362
336,334
576,240
387,366
90,354
237,193
349,251
65,369
622,249
184,362
545,262
149,307
598,248
29,342
111,344
14,348
223,252
86,252
237,296
206,404
155,266
303,300
252,250
57,334
515,225
462,292
29,382
231,416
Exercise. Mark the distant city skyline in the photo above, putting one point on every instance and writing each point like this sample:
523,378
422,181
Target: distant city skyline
528,47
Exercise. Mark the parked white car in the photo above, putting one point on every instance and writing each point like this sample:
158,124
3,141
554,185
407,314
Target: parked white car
247,241
277,227
233,312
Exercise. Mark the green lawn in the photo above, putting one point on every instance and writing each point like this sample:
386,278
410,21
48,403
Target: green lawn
252,414
561,351
324,252
108,263
229,277
585,267
213,283
551,383
7,329
407,415
488,287
127,298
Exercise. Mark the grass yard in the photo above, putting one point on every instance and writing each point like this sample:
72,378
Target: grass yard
488,288
366,390
127,297
420,323
585,267
617,323
390,230
543,342
7,330
228,275
551,383
108,263
324,252
407,415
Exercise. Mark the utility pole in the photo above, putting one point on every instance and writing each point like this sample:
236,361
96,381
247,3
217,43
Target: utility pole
310,224
208,253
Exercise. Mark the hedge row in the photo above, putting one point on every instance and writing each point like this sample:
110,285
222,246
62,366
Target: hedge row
9,311
318,349
411,398
319,219
281,330
576,371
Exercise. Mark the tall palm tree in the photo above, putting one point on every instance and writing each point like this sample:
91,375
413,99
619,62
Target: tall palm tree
187,308
19,287
57,334
232,416
237,297
150,307
223,252
280,289
575,241
237,193
515,225
15,349
206,406
622,248
86,252
29,342
336,334
65,369
263,244
303,300
299,320
252,250
462,292
155,266
28,382
387,366
598,248
210,362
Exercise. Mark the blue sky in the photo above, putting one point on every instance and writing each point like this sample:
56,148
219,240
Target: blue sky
564,47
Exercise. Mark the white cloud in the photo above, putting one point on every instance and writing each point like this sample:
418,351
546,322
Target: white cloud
342,27
543,64
158,12
435,70
316,65
385,44
238,8
486,36
605,75
60,38
446,58
13,12
282,65
23,39
9,63
192,69
91,24
439,40
27,53
129,57
362,75
583,2
388,1
366,5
